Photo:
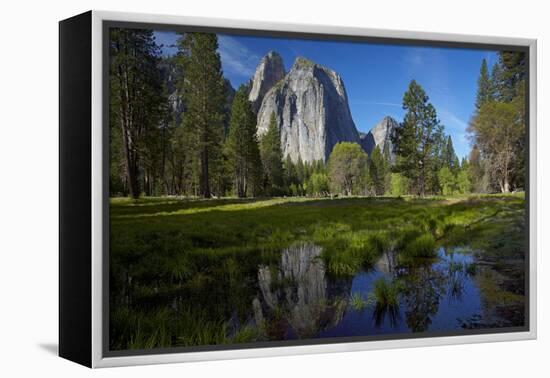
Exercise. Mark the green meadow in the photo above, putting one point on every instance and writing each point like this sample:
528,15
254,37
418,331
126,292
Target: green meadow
185,272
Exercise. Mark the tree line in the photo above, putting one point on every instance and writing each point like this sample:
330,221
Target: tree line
178,128
497,129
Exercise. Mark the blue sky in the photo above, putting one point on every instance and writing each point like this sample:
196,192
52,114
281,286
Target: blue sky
375,75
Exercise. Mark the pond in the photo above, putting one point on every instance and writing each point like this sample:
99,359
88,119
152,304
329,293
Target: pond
295,297
438,294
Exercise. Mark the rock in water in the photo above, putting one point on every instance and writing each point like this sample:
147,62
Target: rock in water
312,112
380,135
270,70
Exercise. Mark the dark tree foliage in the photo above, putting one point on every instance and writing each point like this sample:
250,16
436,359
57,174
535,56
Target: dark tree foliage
484,86
137,106
378,171
272,157
450,159
203,94
498,128
416,140
243,154
512,75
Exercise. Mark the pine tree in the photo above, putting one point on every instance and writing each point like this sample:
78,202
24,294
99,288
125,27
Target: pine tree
137,105
242,146
450,159
447,180
290,175
377,171
300,170
272,157
484,86
203,95
388,166
512,73
496,87
415,141
463,177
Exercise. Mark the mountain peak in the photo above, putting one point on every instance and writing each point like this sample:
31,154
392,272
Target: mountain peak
302,62
272,54
269,71
380,135
312,112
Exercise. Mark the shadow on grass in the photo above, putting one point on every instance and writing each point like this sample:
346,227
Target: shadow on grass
129,207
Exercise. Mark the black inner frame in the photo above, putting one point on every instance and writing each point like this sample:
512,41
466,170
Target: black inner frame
107,25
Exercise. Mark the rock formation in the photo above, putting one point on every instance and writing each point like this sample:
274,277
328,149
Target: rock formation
380,135
270,70
312,112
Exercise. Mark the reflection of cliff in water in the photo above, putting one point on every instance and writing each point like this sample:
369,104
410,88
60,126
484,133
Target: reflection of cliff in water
387,263
297,299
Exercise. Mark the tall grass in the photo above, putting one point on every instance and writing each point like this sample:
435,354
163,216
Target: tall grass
386,293
386,296
348,252
421,246
357,302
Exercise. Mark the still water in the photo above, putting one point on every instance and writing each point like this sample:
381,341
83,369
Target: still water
436,295
292,295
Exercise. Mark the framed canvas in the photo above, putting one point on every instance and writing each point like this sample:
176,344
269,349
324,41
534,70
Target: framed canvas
236,189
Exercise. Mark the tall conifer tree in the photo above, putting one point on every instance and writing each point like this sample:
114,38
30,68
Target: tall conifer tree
416,139
137,104
242,146
203,95
272,156
377,171
484,85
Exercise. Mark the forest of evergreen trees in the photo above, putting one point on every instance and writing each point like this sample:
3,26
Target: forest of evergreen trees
213,149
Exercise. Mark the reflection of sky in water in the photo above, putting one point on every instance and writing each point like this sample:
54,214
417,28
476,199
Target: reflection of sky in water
451,309
457,296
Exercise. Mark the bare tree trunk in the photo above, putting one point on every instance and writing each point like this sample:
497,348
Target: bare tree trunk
127,141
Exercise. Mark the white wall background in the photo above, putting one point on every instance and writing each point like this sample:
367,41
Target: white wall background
28,184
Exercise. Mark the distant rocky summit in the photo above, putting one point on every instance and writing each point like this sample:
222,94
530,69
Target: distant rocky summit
311,108
270,70
380,135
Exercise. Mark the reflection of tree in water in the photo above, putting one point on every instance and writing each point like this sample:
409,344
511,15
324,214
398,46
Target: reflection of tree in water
422,288
297,294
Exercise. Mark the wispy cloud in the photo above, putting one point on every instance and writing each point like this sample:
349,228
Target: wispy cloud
452,120
237,59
